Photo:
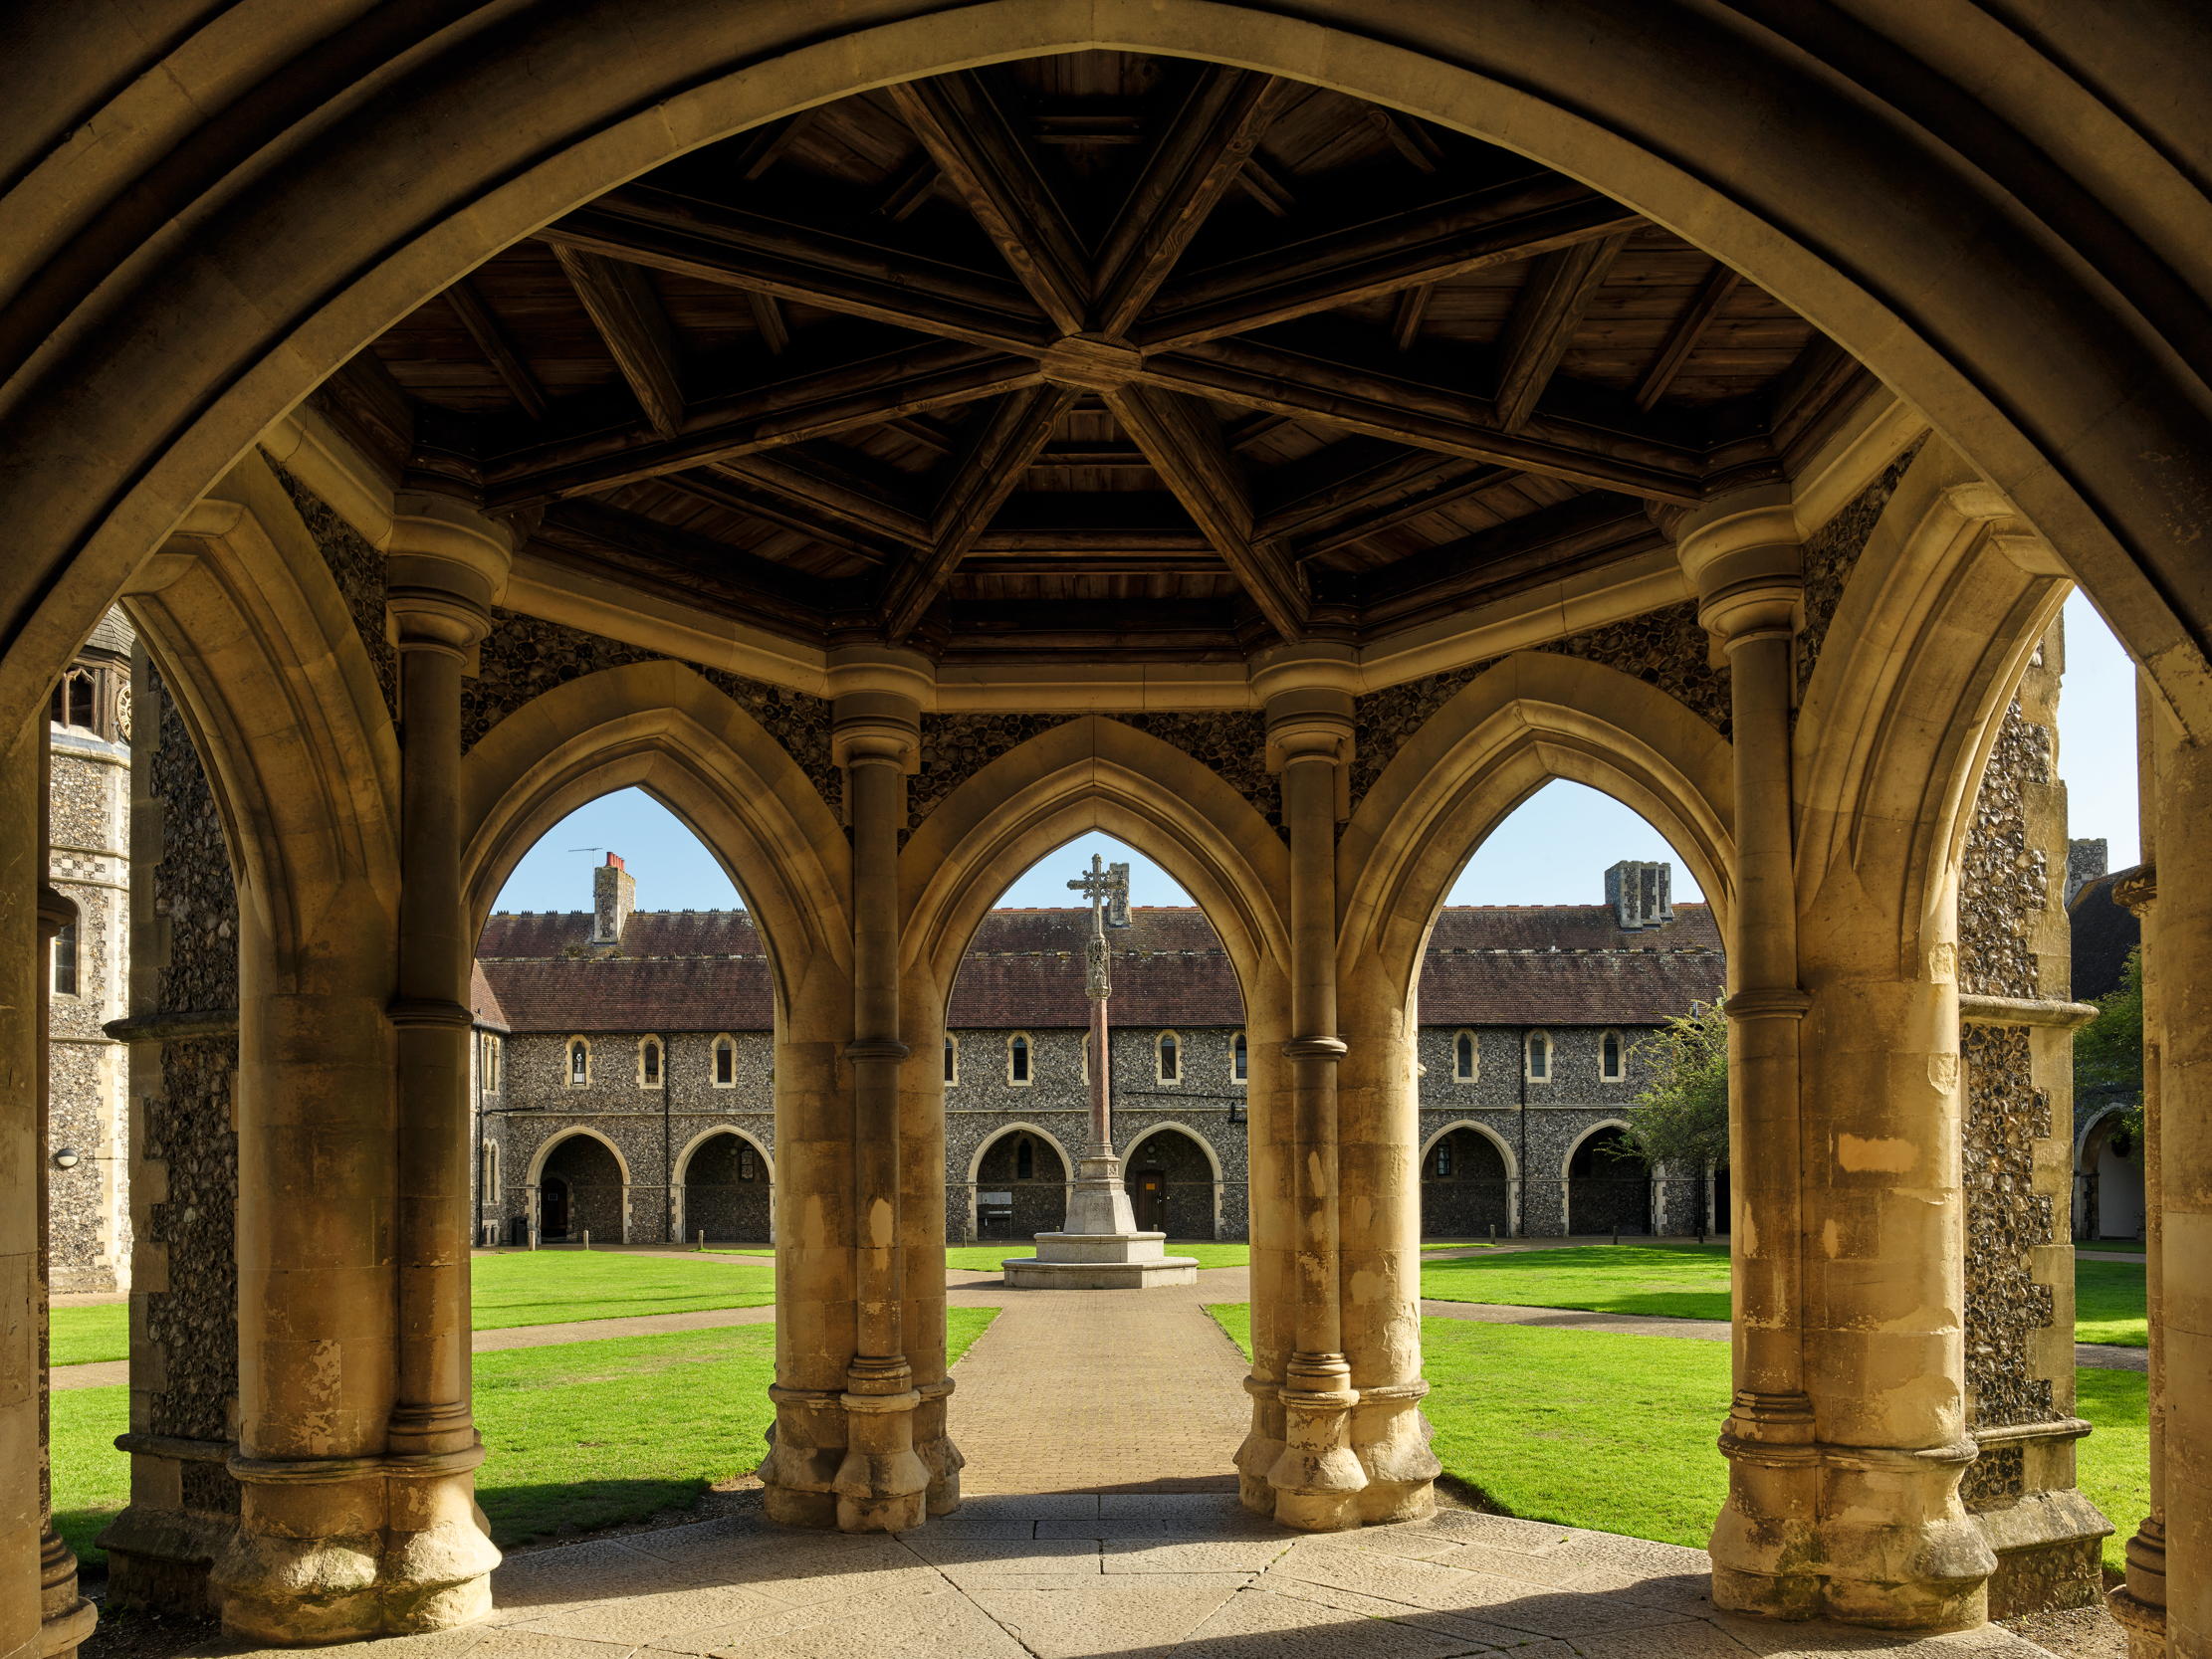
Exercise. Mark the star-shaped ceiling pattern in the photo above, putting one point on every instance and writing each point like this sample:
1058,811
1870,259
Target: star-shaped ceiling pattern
1096,353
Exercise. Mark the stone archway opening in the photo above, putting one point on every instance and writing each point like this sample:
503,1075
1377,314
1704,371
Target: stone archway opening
2110,1176
1609,1187
583,1193
723,1187
1466,1190
1172,1184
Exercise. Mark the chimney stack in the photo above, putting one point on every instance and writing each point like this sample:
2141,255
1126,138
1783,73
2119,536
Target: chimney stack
1640,893
614,896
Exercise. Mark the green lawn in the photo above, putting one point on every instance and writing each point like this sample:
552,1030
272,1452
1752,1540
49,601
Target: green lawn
1616,1433
984,1258
578,1436
544,1287
2109,1246
1683,1281
1691,1282
2109,1304
86,1336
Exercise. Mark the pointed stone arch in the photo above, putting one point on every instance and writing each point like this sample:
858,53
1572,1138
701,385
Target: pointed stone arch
1533,717
683,1221
1498,1142
661,727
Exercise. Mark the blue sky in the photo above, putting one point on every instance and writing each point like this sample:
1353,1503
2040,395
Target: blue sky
1552,850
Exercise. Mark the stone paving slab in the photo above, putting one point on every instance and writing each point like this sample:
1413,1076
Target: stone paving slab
712,1590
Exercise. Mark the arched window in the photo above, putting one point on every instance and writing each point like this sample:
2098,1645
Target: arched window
580,1063
1087,1065
726,1061
1170,1052
64,981
1240,1059
1017,1060
488,1181
951,1058
746,1165
1443,1155
488,1062
74,701
1024,1159
1612,1061
1539,1057
649,1063
1467,1059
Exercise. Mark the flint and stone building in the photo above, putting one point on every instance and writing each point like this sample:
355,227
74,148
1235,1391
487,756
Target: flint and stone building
624,1073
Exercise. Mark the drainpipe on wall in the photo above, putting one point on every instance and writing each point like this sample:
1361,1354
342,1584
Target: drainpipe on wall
1520,1187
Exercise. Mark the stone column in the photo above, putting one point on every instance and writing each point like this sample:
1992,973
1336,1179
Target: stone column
1847,1433
22,1204
182,1029
2139,1602
66,1618
881,1484
1744,560
447,566
2177,957
355,1447
1318,1478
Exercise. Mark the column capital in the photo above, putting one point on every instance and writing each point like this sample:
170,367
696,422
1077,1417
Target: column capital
1744,562
1309,717
876,695
446,565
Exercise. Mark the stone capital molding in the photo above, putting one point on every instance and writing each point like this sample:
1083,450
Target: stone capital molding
446,567
1742,559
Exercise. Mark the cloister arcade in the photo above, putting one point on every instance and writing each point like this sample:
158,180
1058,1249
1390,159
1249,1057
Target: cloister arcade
395,677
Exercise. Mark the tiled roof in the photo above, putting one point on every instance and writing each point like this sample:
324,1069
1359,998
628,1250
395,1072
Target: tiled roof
2104,933
705,970
484,1001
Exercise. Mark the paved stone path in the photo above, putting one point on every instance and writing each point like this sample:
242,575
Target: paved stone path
1101,1390
1132,1575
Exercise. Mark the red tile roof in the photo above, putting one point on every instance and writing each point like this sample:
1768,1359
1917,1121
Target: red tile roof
705,970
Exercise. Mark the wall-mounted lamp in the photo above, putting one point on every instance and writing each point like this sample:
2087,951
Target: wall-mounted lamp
1237,1112
66,1159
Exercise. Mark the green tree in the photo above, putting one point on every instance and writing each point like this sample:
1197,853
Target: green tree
1681,1114
2109,1051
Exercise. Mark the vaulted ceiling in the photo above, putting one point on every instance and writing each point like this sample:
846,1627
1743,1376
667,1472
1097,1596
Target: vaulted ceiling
1099,353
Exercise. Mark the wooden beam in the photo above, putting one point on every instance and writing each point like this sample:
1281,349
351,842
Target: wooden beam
1406,320
1382,402
628,313
491,338
987,165
767,320
1376,497
1713,294
981,480
911,191
935,375
738,495
802,476
1423,245
1187,451
1267,187
600,539
728,245
1408,139
1587,532
1549,310
767,145
1201,152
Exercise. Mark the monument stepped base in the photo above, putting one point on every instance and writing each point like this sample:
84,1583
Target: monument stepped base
1100,1262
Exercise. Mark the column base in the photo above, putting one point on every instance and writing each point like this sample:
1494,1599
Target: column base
2141,1603
806,1444
66,1618
1317,1478
935,1447
2049,1553
1262,1446
882,1485
345,1550
1391,1436
1794,1541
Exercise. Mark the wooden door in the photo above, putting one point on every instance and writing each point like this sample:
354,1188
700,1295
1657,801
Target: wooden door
552,1208
1152,1202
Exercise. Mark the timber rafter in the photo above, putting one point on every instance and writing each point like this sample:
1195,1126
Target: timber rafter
1303,383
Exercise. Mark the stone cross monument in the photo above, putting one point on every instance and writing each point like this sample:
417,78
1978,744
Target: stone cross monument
1098,1246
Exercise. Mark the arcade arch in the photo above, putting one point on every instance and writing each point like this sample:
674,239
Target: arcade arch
725,1184
580,1188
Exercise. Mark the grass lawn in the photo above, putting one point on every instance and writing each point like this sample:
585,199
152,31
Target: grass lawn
2109,1304
86,1336
2109,1246
578,1436
1616,1433
1691,1282
984,1258
1683,1281
544,1287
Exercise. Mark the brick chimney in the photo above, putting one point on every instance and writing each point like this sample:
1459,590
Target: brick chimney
614,896
1640,893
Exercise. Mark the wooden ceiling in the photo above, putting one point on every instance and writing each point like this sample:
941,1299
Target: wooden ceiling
1098,353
